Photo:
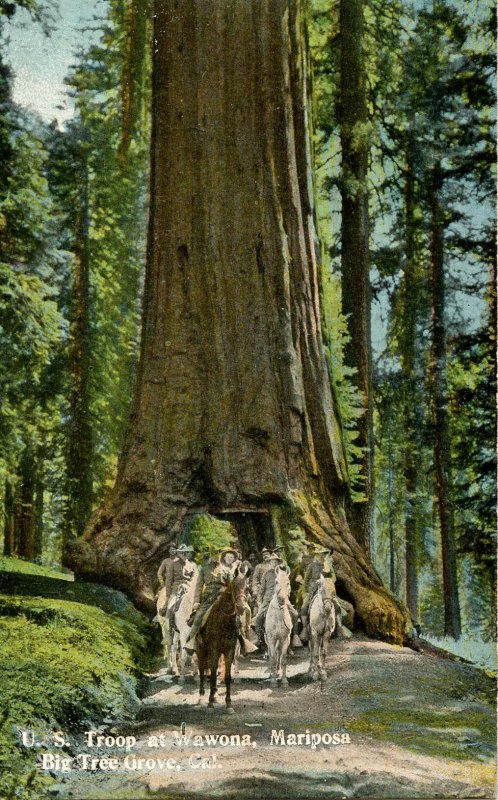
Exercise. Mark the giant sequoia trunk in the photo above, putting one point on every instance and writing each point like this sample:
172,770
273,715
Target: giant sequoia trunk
233,410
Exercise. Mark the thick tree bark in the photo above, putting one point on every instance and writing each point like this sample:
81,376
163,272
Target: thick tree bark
233,409
355,260
407,343
80,443
439,391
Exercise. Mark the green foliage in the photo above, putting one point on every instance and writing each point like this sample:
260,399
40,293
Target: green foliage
206,532
102,82
63,665
434,105
19,565
42,174
41,11
32,325
473,389
347,395
30,335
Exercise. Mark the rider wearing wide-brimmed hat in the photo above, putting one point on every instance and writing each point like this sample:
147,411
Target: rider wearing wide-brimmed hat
181,570
321,564
259,571
209,563
265,594
221,575
166,564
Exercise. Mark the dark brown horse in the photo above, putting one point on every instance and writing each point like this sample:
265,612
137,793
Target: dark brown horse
219,638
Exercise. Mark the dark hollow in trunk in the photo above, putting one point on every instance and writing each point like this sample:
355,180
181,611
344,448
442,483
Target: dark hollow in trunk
233,406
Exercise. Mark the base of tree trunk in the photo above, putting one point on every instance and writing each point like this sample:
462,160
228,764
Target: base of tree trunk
126,554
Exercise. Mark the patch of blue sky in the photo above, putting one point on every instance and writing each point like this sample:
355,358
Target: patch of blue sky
40,63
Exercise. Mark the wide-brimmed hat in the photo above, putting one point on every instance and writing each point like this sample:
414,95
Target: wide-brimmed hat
185,548
228,550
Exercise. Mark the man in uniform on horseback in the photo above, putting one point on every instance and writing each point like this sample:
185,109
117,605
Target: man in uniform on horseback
221,575
266,592
166,565
209,564
321,564
259,571
180,571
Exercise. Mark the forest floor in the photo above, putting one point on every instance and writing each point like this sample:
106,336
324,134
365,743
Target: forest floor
420,726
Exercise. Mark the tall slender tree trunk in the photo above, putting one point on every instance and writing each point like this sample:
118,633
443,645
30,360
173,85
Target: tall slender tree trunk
233,412
390,503
8,524
80,443
135,32
355,262
439,391
38,511
492,303
408,342
24,512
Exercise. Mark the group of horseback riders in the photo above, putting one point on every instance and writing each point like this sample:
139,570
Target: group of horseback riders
179,572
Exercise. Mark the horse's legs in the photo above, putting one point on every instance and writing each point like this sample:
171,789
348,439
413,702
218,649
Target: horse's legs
173,646
202,667
228,679
235,662
183,659
212,678
271,647
323,652
168,637
313,670
278,658
165,635
285,682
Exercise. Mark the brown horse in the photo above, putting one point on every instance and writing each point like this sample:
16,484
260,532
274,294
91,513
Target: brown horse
219,638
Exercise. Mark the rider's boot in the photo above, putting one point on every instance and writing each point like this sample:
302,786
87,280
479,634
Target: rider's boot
246,646
304,635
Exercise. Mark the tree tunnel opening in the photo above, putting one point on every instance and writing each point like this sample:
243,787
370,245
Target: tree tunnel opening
254,529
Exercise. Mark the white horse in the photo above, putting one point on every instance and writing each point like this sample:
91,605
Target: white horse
278,627
323,617
178,612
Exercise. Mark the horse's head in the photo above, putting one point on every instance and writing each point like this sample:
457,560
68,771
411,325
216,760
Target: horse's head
325,589
233,598
282,585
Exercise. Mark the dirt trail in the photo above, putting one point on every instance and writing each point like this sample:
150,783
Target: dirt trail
419,726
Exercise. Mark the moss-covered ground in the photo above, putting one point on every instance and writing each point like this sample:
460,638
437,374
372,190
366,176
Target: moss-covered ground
70,658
